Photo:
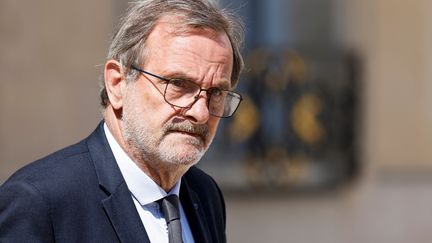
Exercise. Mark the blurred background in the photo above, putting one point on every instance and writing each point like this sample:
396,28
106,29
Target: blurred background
331,144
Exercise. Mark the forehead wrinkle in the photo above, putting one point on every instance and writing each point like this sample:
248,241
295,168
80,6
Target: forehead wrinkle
217,77
189,54
195,54
187,68
166,30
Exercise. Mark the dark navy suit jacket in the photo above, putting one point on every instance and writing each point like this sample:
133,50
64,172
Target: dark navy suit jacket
78,194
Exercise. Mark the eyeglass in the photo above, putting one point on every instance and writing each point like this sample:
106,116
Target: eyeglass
183,94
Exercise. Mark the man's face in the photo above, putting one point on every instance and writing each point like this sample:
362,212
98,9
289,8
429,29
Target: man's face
158,131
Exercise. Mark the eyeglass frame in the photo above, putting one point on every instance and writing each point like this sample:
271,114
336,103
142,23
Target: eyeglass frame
196,97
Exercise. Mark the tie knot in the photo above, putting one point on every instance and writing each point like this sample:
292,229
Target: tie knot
170,207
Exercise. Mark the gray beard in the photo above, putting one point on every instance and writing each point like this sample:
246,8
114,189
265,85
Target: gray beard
154,150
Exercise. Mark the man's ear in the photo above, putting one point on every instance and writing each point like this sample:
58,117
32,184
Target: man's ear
114,83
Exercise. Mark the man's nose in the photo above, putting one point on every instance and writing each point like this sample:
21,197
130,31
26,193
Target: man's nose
198,113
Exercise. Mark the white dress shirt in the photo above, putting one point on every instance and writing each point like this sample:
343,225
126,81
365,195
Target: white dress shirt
145,192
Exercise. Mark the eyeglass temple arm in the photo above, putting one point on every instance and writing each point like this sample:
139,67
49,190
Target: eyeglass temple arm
151,74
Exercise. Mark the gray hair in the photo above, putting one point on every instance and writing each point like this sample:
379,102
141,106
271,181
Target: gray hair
128,43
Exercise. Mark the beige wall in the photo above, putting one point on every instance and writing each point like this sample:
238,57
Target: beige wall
50,56
395,38
403,82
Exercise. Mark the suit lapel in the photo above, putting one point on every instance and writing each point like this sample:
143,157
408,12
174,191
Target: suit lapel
118,204
124,216
193,210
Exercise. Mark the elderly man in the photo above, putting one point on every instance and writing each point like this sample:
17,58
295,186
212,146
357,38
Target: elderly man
168,80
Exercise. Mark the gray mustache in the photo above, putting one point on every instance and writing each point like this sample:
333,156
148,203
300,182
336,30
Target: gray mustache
200,130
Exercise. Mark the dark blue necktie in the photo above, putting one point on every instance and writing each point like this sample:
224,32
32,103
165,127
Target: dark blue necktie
170,210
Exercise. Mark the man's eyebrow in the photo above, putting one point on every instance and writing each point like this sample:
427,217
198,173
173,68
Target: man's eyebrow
178,75
223,83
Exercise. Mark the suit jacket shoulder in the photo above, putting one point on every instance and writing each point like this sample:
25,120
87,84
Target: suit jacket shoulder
59,197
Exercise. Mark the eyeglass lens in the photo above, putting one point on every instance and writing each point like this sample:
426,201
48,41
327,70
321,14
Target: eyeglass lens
182,93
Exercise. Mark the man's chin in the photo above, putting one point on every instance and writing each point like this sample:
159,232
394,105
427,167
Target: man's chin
187,159
183,148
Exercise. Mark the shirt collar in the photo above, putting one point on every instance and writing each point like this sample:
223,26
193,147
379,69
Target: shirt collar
142,187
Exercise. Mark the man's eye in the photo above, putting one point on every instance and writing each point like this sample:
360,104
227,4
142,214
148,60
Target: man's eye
216,92
178,83
182,86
